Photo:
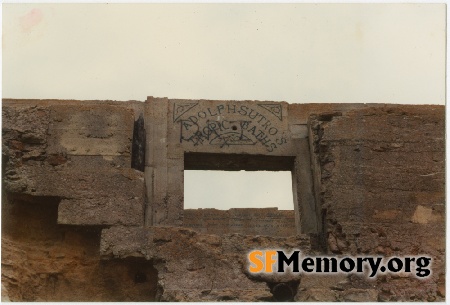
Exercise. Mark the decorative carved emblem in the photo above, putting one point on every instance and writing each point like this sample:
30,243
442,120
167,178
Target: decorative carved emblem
275,109
181,108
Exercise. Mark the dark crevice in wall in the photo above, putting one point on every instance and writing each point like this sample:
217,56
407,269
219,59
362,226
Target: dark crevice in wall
20,197
322,233
138,145
284,291
237,162
137,274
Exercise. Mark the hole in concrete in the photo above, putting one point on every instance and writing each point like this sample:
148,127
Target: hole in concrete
140,277
136,276
284,291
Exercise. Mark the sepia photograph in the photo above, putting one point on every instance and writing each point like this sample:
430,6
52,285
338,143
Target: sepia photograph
223,152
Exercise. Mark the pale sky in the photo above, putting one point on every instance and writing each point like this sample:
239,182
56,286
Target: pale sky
238,189
393,53
299,53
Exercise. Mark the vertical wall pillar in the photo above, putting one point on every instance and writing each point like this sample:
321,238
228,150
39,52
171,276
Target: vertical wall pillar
156,160
162,173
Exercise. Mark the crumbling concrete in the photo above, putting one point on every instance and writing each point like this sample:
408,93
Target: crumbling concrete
93,198
264,221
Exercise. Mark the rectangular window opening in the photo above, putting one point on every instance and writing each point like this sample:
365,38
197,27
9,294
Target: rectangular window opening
247,194
224,190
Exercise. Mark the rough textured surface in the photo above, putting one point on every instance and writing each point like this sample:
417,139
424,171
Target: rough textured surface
264,221
381,180
201,267
80,154
82,222
44,261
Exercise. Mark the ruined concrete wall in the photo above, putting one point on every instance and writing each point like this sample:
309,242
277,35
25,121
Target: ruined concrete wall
200,267
82,222
264,221
66,174
79,154
44,261
381,188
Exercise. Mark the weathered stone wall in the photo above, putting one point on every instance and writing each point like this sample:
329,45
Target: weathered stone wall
44,261
66,163
82,222
200,267
264,221
80,154
381,185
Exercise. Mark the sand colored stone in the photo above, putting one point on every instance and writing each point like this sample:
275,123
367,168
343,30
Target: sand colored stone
81,221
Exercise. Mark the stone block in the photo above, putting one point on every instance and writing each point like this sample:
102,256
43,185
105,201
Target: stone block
119,199
107,211
90,130
266,221
121,242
